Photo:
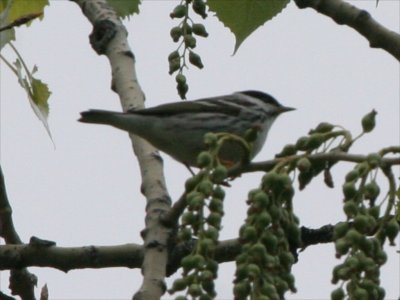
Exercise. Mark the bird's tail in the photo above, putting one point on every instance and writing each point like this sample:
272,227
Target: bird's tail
125,121
97,116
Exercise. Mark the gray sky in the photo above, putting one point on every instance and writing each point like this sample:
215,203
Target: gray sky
86,191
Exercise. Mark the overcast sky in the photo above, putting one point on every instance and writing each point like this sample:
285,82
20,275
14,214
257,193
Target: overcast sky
86,190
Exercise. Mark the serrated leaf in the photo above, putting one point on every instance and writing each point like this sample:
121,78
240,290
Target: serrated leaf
243,17
38,94
125,8
12,10
20,8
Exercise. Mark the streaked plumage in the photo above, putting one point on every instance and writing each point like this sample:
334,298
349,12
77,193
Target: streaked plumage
178,128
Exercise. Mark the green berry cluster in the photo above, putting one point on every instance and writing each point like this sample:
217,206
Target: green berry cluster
321,140
360,240
202,220
318,140
185,33
270,231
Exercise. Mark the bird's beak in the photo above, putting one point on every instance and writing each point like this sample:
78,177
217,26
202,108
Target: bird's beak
285,109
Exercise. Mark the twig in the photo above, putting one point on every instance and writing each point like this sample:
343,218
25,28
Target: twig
329,157
392,192
344,13
171,218
7,229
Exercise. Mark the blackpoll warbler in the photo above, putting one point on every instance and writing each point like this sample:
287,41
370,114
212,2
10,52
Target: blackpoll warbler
178,128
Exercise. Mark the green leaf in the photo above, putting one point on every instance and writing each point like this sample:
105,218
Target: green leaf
19,8
12,10
40,95
7,35
37,91
242,17
125,8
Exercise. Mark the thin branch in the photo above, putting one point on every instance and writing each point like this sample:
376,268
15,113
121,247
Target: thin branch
22,282
69,258
7,229
390,149
321,235
228,250
360,20
172,216
392,192
332,157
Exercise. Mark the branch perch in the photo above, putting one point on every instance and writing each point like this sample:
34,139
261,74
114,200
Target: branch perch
128,255
332,157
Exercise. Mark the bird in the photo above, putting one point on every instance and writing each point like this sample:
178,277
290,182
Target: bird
178,128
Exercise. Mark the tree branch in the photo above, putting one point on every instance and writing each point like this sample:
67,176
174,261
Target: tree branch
321,235
227,250
69,258
344,13
7,229
22,282
332,157
109,37
172,216
128,255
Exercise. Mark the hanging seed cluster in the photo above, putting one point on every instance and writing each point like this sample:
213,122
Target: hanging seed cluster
185,34
270,231
203,216
202,221
360,240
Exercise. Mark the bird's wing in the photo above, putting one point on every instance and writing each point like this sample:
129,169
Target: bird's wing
197,106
